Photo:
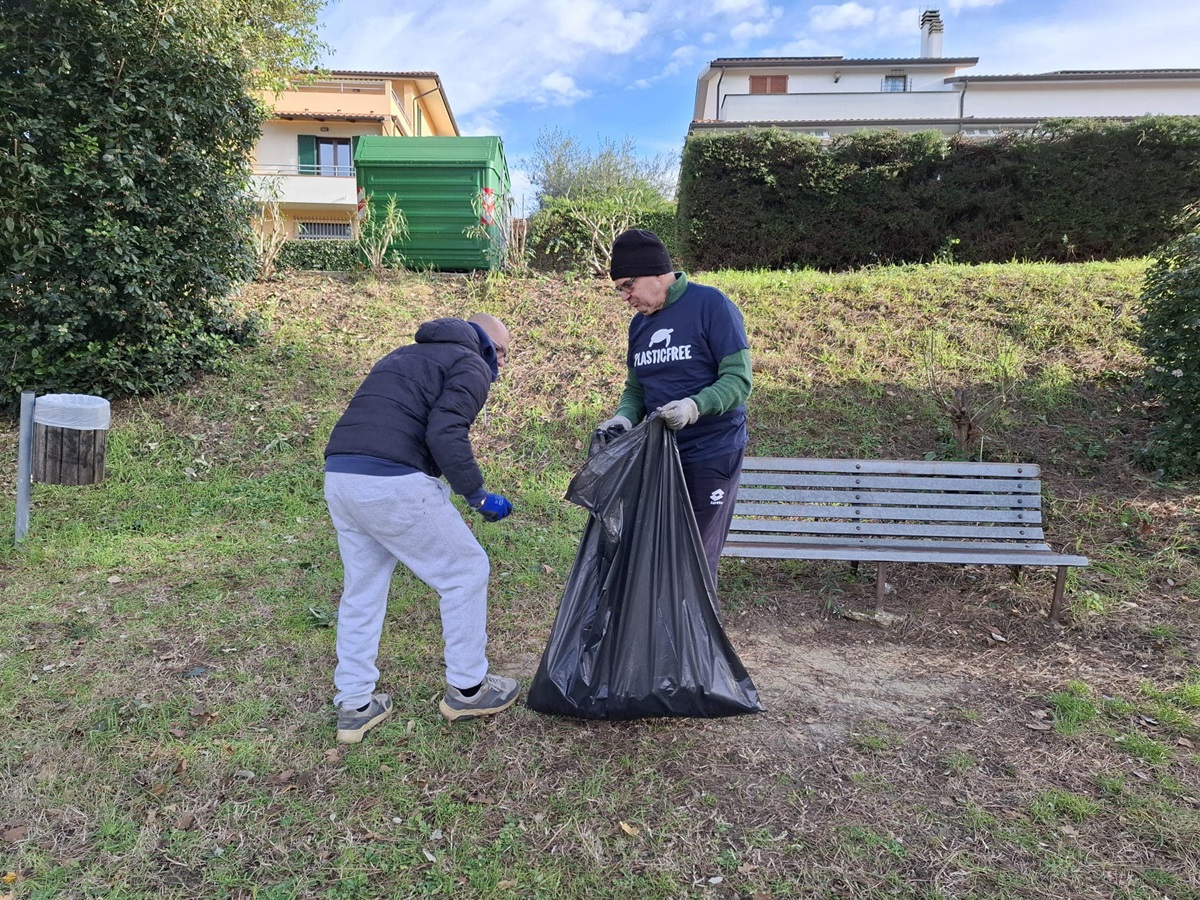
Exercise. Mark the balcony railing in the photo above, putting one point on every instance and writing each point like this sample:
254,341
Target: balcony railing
316,169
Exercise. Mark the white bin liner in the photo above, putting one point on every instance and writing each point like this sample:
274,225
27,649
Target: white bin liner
79,411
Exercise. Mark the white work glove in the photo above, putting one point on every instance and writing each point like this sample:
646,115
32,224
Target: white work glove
613,427
679,413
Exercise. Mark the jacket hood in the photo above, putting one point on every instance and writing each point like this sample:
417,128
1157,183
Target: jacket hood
458,331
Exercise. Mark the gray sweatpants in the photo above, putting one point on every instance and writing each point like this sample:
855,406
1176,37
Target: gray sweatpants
410,519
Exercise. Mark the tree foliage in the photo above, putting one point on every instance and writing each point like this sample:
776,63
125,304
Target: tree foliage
125,134
562,168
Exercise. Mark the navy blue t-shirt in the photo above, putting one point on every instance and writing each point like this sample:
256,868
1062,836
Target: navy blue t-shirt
675,353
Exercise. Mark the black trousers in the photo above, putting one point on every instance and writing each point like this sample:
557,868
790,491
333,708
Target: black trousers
712,487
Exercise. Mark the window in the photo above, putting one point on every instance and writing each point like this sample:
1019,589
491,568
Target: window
323,231
895,84
333,156
326,156
768,84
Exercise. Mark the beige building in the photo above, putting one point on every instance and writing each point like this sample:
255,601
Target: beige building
304,160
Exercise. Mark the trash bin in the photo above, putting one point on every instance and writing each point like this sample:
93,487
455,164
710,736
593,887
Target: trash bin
70,438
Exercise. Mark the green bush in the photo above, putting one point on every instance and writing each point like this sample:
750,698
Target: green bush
1170,339
576,235
774,199
122,185
323,255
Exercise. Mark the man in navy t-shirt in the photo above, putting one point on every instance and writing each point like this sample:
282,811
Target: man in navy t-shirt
689,360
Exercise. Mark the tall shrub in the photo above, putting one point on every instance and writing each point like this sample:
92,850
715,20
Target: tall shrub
1170,339
125,134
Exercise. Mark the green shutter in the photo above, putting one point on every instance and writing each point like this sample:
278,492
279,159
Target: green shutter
306,146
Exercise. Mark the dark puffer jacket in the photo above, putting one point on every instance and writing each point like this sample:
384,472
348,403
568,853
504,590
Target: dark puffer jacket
418,403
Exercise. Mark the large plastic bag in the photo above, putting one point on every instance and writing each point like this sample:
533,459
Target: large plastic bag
637,633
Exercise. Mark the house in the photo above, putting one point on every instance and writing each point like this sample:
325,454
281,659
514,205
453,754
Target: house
829,95
304,161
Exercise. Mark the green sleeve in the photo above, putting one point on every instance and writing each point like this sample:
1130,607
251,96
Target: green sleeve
732,387
633,398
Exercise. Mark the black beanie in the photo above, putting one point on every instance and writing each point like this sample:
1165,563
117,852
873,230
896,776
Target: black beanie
638,252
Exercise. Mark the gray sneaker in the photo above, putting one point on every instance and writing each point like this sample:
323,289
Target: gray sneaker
353,725
496,693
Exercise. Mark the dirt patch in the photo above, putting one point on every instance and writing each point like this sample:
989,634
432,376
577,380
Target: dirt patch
822,691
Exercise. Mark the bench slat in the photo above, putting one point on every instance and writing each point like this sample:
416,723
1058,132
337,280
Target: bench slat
889,513
889,542
876,554
892,466
881,498
897,482
895,529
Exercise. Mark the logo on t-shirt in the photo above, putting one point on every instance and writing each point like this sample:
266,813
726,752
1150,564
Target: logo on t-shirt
716,498
665,353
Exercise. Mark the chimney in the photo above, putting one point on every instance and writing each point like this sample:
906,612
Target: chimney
931,34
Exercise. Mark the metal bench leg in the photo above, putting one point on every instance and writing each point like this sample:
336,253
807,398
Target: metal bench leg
1060,582
1016,572
880,583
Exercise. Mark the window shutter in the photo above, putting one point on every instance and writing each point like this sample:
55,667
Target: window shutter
353,150
768,84
306,147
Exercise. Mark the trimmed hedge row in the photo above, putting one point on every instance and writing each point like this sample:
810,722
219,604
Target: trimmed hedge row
324,255
1070,190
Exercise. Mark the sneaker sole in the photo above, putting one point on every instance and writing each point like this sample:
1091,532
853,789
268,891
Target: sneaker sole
354,735
473,712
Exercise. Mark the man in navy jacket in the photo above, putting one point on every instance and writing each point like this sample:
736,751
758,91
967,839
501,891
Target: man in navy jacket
406,427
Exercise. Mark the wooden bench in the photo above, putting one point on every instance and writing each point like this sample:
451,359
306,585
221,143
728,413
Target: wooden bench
895,511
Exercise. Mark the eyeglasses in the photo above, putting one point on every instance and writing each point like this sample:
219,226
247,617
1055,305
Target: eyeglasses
624,287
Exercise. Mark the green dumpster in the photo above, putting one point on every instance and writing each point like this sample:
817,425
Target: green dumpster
454,192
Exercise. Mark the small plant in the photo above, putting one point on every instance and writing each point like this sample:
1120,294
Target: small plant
1056,805
1144,748
270,229
378,231
1071,708
957,762
945,253
968,418
505,243
874,737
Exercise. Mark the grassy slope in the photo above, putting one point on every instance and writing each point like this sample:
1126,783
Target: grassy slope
165,660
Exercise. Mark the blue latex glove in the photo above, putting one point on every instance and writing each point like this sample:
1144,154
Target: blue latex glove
494,507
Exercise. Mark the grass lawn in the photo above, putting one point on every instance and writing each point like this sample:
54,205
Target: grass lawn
166,648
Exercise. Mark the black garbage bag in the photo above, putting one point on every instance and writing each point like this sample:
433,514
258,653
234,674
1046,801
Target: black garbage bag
637,633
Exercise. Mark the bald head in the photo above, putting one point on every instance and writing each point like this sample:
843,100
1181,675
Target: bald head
495,330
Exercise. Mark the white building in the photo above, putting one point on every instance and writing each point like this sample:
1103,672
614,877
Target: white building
829,95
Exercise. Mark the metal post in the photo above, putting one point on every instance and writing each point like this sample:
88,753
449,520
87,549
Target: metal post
24,464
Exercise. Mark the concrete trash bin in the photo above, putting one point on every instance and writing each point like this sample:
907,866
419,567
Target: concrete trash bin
70,438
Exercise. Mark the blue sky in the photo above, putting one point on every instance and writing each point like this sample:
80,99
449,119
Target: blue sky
616,69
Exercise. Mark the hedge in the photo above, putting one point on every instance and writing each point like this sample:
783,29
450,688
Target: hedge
1069,190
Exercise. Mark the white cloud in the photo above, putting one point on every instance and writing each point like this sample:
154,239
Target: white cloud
561,89
501,51
956,5
837,18
1114,34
